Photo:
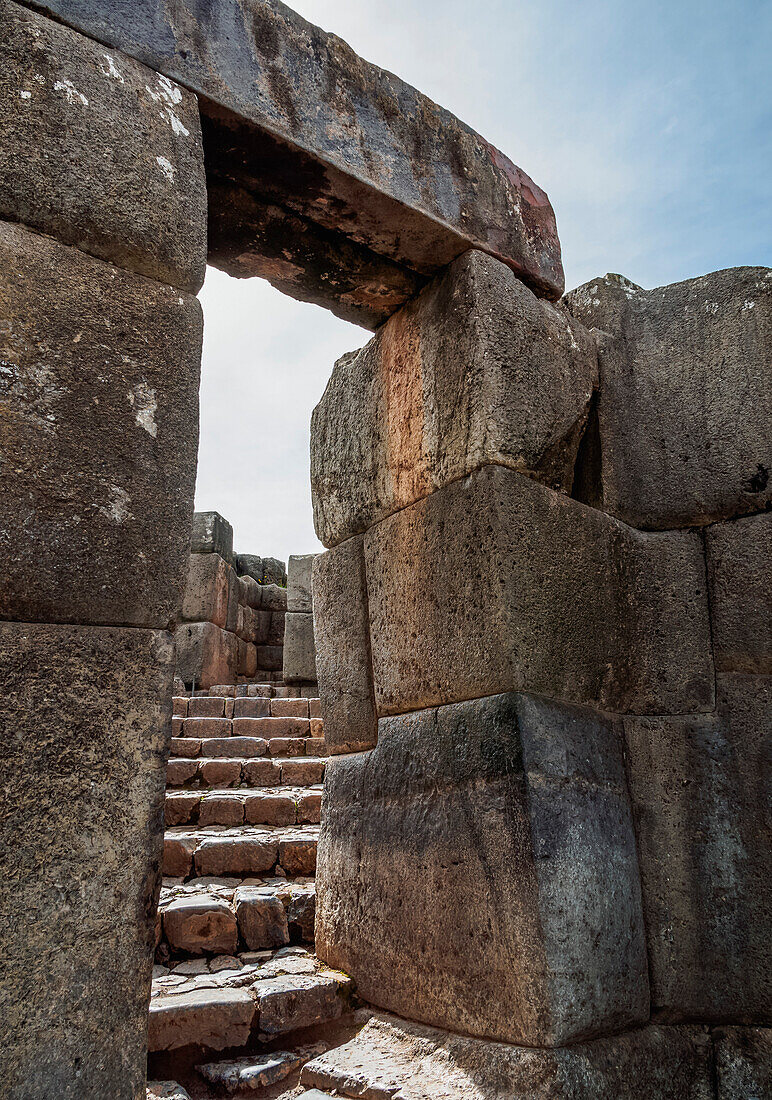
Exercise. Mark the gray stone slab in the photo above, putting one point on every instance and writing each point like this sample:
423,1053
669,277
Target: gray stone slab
99,409
212,534
414,185
739,556
342,637
699,787
743,1063
497,583
210,590
299,595
477,871
100,151
394,1057
299,649
684,417
475,370
87,714
250,565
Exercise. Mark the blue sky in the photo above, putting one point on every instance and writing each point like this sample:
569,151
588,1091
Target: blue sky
649,125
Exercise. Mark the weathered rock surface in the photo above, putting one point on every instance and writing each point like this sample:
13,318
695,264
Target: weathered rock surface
211,592
212,1018
513,586
739,568
166,1090
299,648
299,595
201,924
699,788
262,918
743,1062
477,871
254,1072
212,534
86,712
99,420
413,186
391,1057
476,370
343,659
206,654
100,151
685,405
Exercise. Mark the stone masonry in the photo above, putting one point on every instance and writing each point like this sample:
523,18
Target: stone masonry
541,628
543,639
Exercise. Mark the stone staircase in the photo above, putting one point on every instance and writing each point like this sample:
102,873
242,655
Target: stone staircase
235,970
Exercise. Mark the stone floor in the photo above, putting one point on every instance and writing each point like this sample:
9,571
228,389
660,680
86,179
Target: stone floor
239,1000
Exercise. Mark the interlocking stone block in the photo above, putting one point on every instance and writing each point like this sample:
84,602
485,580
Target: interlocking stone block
684,416
393,1057
98,413
204,706
211,1018
343,657
273,597
299,647
297,856
235,746
294,1001
513,586
239,854
201,924
270,658
181,807
739,569
299,596
263,773
289,708
100,151
179,772
220,773
178,855
303,773
255,707
86,712
699,791
269,809
205,653
221,809
249,588
211,592
475,370
275,573
276,629
320,161
206,727
512,910
212,534
262,918
743,1062
186,747
247,664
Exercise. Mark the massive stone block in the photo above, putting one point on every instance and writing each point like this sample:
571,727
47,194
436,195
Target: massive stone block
699,787
393,1057
299,583
211,592
312,129
86,713
212,534
343,660
206,655
512,586
684,418
743,1063
100,151
99,428
739,570
477,871
299,650
476,370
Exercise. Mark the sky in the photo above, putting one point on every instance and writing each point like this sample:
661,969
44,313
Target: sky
649,124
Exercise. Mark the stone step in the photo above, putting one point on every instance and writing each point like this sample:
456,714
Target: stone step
256,1071
248,850
207,706
208,748
214,916
255,996
267,806
244,772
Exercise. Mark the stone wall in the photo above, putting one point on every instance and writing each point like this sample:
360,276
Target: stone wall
544,643
234,607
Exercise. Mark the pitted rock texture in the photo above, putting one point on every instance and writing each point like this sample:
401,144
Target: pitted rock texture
99,418
412,185
477,871
212,534
391,1057
743,1062
343,658
100,151
739,555
684,414
476,370
86,711
699,788
512,586
299,648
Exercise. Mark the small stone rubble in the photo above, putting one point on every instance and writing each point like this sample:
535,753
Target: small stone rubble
235,968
